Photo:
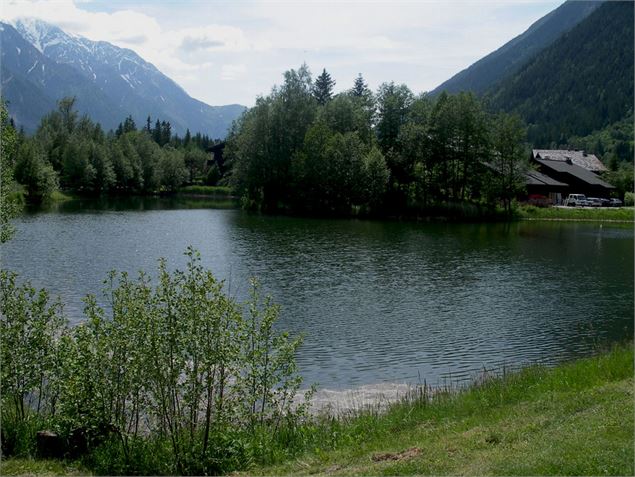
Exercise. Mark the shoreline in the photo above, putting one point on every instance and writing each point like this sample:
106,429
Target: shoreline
574,418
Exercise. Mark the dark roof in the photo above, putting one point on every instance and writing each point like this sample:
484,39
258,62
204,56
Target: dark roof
531,177
578,172
539,179
216,147
589,162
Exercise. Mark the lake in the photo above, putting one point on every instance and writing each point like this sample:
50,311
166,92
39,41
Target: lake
377,301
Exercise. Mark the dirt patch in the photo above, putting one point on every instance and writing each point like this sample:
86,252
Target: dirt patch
404,455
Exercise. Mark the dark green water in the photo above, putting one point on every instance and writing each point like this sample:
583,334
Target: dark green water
377,301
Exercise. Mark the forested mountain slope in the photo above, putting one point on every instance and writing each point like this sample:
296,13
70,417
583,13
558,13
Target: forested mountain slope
514,54
580,84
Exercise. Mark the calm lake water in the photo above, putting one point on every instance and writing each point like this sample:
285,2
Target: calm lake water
377,301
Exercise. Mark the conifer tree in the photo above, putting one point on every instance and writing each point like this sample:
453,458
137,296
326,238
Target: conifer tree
323,88
156,132
360,88
129,125
166,133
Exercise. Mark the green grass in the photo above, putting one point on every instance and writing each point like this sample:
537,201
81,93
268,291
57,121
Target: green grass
41,467
216,191
58,196
573,419
621,214
576,419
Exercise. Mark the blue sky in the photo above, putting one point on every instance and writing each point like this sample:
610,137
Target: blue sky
230,52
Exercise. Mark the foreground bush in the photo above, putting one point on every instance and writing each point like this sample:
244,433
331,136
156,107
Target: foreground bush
176,377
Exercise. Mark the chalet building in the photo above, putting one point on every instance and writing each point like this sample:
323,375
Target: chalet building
539,185
564,172
590,162
217,156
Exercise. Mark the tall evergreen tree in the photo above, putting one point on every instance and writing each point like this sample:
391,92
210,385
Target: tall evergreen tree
360,88
149,125
323,87
129,125
166,133
156,132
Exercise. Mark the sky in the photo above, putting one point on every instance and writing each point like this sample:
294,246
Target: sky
226,52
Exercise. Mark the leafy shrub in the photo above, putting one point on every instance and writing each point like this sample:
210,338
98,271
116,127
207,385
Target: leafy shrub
629,199
30,328
176,378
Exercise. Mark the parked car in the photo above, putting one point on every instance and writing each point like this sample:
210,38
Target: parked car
616,203
605,202
576,200
594,202
539,200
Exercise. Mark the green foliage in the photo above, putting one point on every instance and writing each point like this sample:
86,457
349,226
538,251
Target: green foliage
8,144
509,160
176,377
376,175
612,144
356,153
196,162
262,144
86,160
393,104
30,326
34,172
629,199
622,178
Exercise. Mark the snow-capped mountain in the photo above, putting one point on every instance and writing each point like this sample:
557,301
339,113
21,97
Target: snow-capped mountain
32,83
130,84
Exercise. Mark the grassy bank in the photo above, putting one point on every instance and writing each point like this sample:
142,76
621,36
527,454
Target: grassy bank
620,214
206,191
574,419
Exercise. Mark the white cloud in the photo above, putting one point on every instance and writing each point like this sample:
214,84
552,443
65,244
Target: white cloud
232,72
420,43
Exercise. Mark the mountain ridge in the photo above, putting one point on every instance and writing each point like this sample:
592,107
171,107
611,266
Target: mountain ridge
510,57
134,86
580,84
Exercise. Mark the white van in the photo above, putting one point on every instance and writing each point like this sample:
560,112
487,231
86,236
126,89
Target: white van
576,200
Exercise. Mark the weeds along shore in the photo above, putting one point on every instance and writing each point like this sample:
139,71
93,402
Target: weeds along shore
573,419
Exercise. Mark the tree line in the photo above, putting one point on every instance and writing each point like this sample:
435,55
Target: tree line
304,149
74,153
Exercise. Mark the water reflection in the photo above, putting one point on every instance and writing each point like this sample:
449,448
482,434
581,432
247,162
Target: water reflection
376,301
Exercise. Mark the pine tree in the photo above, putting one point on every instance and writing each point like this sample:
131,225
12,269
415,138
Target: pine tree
360,88
129,125
166,133
149,125
323,88
156,132
188,138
